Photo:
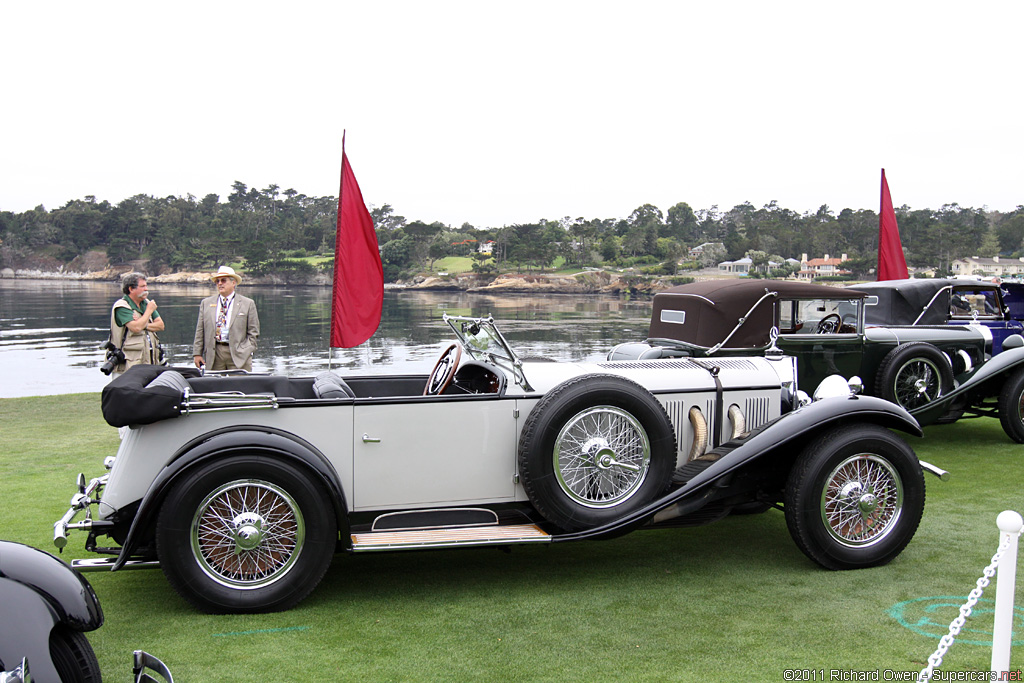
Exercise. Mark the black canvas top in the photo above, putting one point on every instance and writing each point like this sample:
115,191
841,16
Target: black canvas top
901,302
130,400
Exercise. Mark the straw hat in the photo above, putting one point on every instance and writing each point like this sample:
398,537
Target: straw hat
229,272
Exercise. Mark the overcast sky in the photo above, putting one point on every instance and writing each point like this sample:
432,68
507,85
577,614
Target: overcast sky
498,113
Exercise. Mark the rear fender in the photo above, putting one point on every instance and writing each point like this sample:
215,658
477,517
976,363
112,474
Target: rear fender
772,439
224,443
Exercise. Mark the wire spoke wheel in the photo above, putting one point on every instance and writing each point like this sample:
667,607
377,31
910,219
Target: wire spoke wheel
917,383
595,448
601,456
854,497
247,534
862,500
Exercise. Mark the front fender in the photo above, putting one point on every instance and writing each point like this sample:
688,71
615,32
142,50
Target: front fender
766,440
38,592
223,443
26,632
1000,365
67,591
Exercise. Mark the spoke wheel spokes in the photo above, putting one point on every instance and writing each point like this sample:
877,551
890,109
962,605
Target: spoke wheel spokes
917,383
862,500
247,534
601,456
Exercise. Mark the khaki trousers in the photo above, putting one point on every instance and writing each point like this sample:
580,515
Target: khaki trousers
222,359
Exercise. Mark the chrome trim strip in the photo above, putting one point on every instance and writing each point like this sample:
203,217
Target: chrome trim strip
222,401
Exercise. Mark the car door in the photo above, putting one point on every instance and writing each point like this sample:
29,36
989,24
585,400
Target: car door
425,452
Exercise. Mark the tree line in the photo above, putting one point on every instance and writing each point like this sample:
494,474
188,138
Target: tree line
273,229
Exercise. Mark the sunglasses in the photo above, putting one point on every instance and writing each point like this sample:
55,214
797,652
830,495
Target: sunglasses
222,279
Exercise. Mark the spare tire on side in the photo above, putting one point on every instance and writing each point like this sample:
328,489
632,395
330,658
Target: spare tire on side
913,375
594,448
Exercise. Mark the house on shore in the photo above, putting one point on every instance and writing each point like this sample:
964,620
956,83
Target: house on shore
811,269
994,266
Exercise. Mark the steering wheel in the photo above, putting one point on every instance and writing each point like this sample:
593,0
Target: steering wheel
830,324
444,370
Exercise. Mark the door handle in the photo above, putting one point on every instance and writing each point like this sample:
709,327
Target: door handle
369,439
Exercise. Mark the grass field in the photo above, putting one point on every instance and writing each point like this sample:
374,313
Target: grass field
733,600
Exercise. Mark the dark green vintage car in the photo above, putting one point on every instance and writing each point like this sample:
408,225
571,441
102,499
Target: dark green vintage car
940,373
953,301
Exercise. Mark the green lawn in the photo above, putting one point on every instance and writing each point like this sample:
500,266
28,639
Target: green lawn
453,265
734,600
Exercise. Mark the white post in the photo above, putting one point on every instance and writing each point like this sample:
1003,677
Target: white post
1010,524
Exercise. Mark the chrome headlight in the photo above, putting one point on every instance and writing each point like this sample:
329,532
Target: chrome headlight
834,386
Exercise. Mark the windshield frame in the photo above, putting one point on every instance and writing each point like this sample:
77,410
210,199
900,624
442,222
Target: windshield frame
483,341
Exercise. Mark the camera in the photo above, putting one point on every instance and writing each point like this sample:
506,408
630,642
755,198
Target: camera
115,357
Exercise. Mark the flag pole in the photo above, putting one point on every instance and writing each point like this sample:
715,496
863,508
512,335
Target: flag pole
330,348
358,287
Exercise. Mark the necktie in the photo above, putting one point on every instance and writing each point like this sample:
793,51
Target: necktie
222,320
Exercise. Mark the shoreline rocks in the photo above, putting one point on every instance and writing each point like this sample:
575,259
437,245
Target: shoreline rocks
584,282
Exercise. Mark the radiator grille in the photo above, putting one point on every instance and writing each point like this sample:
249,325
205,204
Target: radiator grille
756,410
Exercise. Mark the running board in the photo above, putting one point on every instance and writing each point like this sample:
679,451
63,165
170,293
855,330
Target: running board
99,564
448,538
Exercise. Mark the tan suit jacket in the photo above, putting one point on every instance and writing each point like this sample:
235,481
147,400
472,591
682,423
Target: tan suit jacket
243,330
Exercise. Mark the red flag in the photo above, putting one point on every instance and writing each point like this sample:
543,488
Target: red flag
358,275
891,264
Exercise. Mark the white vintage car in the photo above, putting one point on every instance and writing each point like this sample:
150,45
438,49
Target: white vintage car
243,486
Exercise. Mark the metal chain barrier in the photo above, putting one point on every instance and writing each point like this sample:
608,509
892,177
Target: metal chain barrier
965,611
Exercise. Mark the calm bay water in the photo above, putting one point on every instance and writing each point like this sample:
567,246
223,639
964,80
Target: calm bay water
51,331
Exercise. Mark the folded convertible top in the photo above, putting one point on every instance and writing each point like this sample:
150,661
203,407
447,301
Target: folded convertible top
133,398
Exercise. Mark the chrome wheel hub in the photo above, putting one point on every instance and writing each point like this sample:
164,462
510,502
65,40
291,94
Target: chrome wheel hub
854,495
248,531
918,382
862,500
601,457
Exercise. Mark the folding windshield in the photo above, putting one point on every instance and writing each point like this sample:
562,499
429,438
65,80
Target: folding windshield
481,339
819,316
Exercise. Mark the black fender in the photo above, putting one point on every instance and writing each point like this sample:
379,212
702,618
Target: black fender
223,443
779,435
996,369
38,592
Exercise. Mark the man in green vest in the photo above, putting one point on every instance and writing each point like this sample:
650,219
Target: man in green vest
134,323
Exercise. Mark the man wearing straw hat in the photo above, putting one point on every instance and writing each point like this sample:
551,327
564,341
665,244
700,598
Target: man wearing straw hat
228,326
